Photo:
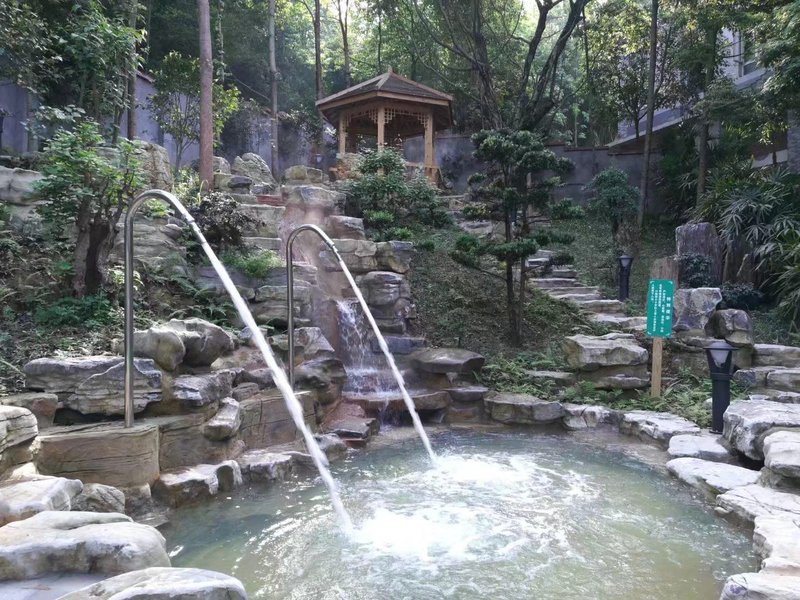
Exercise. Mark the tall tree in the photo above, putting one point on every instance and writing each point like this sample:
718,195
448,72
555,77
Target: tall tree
651,107
275,76
343,12
206,95
133,68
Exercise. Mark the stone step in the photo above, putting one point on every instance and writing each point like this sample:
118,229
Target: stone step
767,355
711,478
571,290
769,395
754,377
746,504
620,322
264,243
602,306
707,446
567,297
564,272
423,400
556,378
351,427
555,282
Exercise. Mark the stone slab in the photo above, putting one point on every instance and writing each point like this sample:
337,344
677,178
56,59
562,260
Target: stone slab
655,426
25,497
748,422
777,541
761,586
746,503
523,409
711,478
707,446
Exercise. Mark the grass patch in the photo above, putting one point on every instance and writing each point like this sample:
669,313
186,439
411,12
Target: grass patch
770,327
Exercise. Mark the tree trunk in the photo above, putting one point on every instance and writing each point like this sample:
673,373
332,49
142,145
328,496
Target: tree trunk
380,41
273,67
206,87
651,103
132,68
703,135
221,41
344,26
318,49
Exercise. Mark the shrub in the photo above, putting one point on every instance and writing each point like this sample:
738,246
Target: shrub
89,312
566,209
378,219
695,271
562,258
467,250
400,233
427,245
741,296
475,212
257,264
614,198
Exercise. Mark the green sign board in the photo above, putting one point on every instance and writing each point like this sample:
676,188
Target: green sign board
659,307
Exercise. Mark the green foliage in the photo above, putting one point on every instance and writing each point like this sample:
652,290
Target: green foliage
221,220
176,103
614,199
257,264
426,245
467,250
562,257
384,196
475,212
89,312
741,296
87,187
695,271
566,210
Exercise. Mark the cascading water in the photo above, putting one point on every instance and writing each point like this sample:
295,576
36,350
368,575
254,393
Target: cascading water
279,377
367,374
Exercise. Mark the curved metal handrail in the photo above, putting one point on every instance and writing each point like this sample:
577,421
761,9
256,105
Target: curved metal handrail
290,284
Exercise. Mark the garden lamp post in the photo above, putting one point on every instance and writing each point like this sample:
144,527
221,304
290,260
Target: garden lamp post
720,363
625,263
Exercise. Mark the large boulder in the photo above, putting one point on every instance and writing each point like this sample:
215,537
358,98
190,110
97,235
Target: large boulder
266,465
748,422
225,424
523,409
17,191
395,256
581,416
775,355
693,308
201,390
253,166
325,377
204,341
303,174
787,380
96,497
711,478
105,453
27,496
161,343
78,542
17,426
384,288
103,393
158,583
782,453
156,244
154,162
340,227
192,484
62,375
589,353
761,586
447,360
649,425
735,326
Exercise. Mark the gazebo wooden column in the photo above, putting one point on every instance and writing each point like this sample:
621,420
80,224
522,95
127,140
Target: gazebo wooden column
430,154
342,134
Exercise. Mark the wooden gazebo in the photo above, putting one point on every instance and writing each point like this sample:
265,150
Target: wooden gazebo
391,108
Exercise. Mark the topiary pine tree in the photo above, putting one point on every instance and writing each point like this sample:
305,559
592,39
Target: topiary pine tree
520,175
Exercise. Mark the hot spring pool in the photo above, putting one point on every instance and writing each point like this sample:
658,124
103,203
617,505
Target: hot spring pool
504,516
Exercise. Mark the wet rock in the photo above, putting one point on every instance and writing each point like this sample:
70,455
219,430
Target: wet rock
711,478
384,288
226,422
693,308
354,427
775,355
160,343
745,504
468,394
62,375
332,446
735,326
41,404
266,420
398,344
96,497
782,453
581,416
192,484
748,422
395,256
309,344
265,465
340,227
706,446
447,360
105,453
201,390
523,409
775,540
588,353
103,393
761,586
159,583
324,376
658,426
204,341
27,496
256,168
78,542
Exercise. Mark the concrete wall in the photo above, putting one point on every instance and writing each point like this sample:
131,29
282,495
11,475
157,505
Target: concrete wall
14,102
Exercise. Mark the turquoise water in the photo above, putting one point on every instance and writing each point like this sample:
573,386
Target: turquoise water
502,516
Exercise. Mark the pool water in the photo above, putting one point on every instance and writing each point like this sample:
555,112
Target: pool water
506,516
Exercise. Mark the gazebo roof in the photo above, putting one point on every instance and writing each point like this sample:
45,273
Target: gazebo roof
389,87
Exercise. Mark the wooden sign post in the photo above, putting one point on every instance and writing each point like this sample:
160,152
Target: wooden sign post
659,325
